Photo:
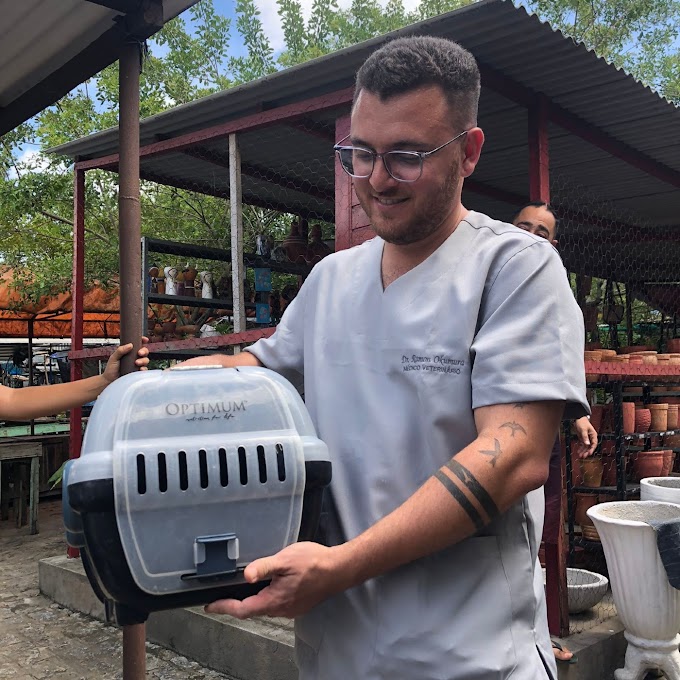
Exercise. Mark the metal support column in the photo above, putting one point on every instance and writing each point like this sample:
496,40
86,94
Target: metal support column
555,558
129,216
236,206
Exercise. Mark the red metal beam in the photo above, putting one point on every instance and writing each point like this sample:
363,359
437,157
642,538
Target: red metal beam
251,122
215,342
524,96
539,157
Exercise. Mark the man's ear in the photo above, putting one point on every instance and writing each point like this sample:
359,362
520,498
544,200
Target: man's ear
474,140
555,242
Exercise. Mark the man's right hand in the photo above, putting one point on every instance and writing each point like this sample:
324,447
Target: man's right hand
224,360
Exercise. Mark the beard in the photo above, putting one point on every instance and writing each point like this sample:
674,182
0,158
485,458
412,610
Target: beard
424,221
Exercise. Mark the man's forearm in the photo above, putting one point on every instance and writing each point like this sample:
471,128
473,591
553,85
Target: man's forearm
244,358
483,480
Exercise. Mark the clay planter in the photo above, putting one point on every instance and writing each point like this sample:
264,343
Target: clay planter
659,422
643,419
628,408
169,327
609,470
647,464
591,469
668,458
672,416
596,416
673,345
584,501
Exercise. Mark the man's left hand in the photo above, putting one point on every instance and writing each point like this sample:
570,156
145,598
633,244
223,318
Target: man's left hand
302,575
586,438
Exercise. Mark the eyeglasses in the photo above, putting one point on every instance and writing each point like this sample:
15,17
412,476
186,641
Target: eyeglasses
404,166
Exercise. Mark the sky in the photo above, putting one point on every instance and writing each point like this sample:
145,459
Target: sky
270,18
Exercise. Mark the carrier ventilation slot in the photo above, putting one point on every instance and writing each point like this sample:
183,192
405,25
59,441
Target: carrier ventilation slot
224,470
162,473
141,474
242,464
183,472
203,468
280,463
262,464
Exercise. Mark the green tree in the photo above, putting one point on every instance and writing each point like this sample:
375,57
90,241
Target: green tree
640,36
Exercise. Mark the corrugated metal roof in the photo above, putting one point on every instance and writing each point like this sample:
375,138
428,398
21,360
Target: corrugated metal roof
42,46
529,57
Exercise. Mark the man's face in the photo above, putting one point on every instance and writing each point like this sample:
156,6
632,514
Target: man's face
407,212
539,221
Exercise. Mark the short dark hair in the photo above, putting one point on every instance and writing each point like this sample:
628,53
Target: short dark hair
406,64
539,204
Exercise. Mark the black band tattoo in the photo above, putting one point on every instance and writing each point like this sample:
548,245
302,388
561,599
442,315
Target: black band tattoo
473,485
518,405
451,487
495,454
514,427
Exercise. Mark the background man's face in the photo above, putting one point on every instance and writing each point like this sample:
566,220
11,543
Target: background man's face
539,221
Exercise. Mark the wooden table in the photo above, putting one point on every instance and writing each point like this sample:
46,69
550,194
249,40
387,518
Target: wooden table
22,452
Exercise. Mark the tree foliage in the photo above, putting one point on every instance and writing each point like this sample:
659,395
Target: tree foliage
192,57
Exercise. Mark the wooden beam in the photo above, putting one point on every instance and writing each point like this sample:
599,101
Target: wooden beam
251,122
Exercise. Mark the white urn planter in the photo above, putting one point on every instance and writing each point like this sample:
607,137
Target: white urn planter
648,606
664,489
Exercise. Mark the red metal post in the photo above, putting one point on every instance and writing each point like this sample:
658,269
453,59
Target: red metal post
129,230
553,531
77,295
343,192
539,157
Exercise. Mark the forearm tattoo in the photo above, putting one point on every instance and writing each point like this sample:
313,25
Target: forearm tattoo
493,455
473,485
462,499
513,427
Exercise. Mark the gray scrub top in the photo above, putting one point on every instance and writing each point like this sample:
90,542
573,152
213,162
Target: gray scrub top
391,379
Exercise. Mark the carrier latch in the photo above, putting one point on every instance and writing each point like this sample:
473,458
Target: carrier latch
214,556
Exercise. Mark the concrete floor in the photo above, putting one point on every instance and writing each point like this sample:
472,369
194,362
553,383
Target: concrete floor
40,639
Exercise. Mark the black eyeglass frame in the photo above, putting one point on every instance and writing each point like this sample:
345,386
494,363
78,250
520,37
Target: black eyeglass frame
421,155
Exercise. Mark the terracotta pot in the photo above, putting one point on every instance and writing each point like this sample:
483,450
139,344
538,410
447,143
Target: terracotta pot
647,464
591,469
630,349
668,458
596,416
673,345
628,408
672,416
607,424
659,422
169,327
160,286
643,419
609,470
672,440
295,244
583,502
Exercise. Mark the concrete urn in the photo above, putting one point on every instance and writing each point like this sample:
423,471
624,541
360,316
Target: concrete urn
664,489
647,604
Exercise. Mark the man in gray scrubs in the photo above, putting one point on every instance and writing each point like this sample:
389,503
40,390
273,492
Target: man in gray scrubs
438,359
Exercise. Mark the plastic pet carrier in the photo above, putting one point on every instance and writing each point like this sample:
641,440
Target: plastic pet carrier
185,477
